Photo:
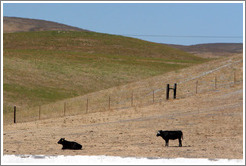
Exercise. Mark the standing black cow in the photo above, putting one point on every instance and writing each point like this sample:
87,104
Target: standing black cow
69,145
166,135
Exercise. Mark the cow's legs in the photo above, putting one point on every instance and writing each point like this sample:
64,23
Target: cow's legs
180,142
166,142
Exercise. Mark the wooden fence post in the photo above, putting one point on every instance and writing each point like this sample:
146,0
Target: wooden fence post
109,102
132,99
234,77
65,105
196,86
167,92
153,96
14,114
87,105
175,90
39,112
215,82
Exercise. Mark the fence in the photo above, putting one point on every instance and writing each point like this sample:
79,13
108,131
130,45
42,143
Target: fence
136,94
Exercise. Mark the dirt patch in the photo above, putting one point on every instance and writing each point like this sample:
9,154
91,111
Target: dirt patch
212,124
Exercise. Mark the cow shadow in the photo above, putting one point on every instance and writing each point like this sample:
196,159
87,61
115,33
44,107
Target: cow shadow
188,146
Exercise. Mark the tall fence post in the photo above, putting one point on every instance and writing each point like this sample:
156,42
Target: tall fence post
109,102
215,82
39,112
167,92
132,99
65,107
234,77
153,96
196,86
14,114
175,90
87,105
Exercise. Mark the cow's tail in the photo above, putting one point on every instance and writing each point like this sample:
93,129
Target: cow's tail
182,136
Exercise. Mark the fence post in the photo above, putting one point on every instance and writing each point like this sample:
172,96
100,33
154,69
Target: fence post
153,96
234,77
196,86
167,92
109,102
14,114
215,82
65,108
87,105
175,90
39,112
132,99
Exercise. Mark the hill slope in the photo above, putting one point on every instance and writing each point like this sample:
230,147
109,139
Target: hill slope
16,24
46,66
211,120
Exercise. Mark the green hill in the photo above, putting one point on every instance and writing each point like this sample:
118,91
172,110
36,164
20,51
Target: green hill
47,66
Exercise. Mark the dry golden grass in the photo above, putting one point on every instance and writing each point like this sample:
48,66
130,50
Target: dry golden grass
212,122
206,77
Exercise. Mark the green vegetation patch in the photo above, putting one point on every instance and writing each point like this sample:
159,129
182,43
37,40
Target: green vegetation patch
35,93
43,67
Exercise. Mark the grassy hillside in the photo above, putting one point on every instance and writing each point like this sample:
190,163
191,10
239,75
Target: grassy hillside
17,24
47,66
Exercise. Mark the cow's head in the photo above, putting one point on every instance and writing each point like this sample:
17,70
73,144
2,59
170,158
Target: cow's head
159,133
61,141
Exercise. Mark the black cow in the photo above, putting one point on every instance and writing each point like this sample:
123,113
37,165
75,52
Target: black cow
69,145
166,135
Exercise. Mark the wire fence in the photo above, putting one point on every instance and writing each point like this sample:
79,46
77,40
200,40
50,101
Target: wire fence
128,96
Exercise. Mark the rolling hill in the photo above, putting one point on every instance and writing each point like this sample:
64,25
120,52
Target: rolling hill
41,67
16,24
48,66
207,119
214,49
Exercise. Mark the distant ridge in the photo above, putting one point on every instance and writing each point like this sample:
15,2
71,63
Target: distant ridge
16,24
218,49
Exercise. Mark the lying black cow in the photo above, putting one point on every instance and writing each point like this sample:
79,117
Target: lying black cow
166,135
69,145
